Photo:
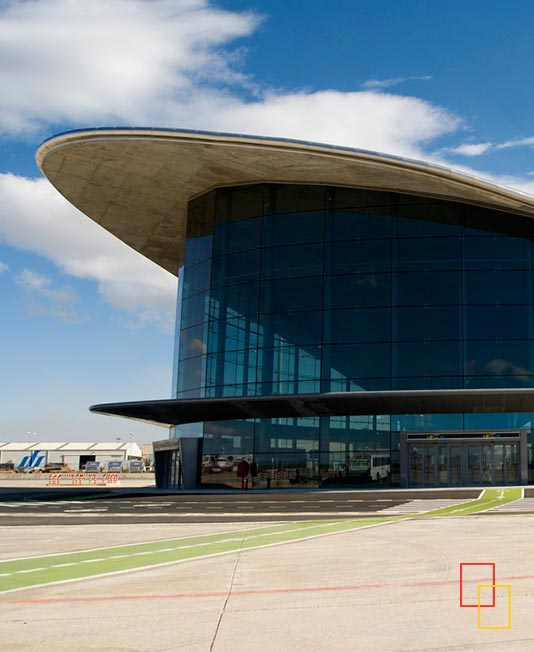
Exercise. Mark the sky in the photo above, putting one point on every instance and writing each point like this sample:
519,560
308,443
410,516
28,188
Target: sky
85,319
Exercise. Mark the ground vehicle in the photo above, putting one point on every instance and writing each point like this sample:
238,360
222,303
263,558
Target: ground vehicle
375,466
113,466
57,467
93,467
133,466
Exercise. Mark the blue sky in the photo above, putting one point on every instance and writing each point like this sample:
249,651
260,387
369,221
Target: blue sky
86,320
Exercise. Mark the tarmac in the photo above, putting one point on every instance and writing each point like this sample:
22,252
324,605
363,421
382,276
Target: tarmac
391,588
392,584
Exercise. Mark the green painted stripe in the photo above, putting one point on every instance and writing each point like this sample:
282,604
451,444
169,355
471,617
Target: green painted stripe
24,573
489,498
46,570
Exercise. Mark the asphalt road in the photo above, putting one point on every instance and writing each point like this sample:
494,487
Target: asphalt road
70,507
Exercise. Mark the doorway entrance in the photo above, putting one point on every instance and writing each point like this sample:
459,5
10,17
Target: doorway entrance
463,459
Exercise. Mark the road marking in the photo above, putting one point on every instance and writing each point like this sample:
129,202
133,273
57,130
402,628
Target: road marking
244,592
137,543
340,527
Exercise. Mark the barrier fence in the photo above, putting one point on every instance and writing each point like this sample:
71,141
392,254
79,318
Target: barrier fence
79,479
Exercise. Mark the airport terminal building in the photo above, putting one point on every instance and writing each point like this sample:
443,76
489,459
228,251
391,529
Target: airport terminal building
345,318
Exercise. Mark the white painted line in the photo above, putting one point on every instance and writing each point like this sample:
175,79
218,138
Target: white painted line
91,561
200,557
244,528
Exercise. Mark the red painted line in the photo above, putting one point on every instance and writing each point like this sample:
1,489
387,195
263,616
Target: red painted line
220,594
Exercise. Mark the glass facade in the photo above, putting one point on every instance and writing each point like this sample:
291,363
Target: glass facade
290,289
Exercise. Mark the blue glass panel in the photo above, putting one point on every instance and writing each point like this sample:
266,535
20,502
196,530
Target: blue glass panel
239,299
193,341
292,261
341,384
427,323
498,322
231,368
240,332
496,382
196,279
428,382
241,235
239,203
412,254
429,422
292,327
358,256
352,225
427,288
481,221
360,201
358,290
497,252
357,325
236,268
226,438
191,373
200,215
293,228
426,359
194,310
497,421
197,250
367,360
499,358
495,287
420,217
294,198
292,294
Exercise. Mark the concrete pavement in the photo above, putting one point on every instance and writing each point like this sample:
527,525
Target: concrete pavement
392,588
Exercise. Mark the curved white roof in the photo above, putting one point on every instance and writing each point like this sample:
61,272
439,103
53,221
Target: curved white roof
136,183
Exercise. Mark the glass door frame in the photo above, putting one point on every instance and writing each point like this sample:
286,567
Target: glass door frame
472,438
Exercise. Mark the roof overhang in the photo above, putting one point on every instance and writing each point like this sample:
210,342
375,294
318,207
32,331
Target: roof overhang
440,401
136,183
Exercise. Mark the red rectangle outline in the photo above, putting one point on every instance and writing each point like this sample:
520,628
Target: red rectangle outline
471,563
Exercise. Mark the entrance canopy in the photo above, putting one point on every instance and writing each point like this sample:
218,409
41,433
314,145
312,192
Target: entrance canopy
173,412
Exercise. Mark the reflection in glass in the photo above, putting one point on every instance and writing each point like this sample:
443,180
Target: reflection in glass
293,289
498,463
473,464
511,463
429,461
455,465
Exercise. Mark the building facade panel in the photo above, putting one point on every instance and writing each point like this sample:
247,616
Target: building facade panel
295,289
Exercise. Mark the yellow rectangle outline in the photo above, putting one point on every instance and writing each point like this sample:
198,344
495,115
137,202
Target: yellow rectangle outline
508,587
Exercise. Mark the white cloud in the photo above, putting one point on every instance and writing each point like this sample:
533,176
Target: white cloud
378,84
67,60
379,121
35,217
470,149
46,298
519,142
476,149
165,63
3,267
169,63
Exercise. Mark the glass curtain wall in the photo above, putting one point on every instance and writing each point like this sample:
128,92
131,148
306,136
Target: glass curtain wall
290,289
